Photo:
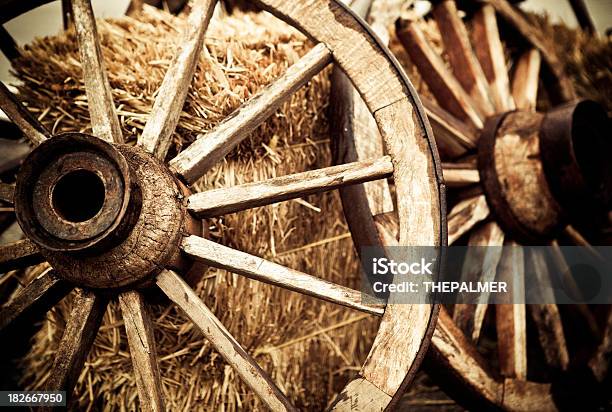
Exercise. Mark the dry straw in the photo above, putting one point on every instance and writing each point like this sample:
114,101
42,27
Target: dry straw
309,347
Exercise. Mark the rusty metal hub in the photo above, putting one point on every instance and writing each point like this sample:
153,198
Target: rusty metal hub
105,216
537,170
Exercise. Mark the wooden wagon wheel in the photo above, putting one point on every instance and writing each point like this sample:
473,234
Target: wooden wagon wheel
505,164
135,226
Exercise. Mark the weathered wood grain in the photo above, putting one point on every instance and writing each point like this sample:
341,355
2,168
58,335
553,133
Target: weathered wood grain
526,79
510,317
20,254
7,192
104,120
453,136
157,134
490,53
211,147
360,395
33,130
461,56
80,332
139,329
254,267
445,87
465,215
244,365
480,265
460,175
233,199
35,299
546,316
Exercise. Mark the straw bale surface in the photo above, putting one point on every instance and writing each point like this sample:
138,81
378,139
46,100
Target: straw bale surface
310,348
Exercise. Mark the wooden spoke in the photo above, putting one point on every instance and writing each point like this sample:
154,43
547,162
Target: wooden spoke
546,316
66,14
480,266
452,135
232,199
6,192
263,270
462,59
17,255
600,361
579,240
8,45
459,175
250,372
490,52
104,120
465,215
81,330
510,316
36,298
157,134
139,329
35,132
445,87
526,79
211,147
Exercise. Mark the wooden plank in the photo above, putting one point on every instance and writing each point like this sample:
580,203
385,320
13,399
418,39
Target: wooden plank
250,372
233,199
441,82
453,136
211,147
35,299
526,79
480,265
510,317
158,132
81,329
35,132
8,45
461,56
104,120
18,255
254,267
460,175
490,53
465,215
7,192
139,329
546,315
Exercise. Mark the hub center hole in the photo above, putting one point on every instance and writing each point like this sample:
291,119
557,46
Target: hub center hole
78,196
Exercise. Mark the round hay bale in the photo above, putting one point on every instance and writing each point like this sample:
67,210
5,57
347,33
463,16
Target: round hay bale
310,348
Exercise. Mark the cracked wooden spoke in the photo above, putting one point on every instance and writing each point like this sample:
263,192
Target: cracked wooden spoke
157,134
263,270
8,45
459,174
452,135
104,120
526,79
510,316
546,315
445,87
6,192
461,56
35,299
18,255
480,266
490,52
250,372
80,332
139,329
465,215
211,147
233,199
35,132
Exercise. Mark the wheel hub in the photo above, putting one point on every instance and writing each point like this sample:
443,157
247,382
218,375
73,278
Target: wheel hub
105,216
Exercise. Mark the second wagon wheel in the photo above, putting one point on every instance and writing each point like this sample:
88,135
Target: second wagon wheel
515,175
135,225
